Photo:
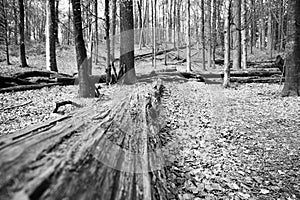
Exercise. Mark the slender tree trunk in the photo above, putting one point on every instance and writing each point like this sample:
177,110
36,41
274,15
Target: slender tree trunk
226,80
50,36
56,20
96,32
214,31
244,34
86,89
154,33
270,32
203,34
188,36
107,27
209,42
114,17
237,35
16,23
292,83
253,27
69,22
22,35
127,41
174,22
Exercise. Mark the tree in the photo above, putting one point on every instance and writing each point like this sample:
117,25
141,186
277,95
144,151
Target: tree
244,34
107,27
51,64
226,80
4,38
237,35
22,35
202,33
188,36
127,42
86,89
292,83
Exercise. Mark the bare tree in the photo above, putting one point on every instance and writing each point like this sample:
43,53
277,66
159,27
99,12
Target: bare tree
227,44
86,89
292,83
107,27
237,35
188,36
22,35
51,36
127,42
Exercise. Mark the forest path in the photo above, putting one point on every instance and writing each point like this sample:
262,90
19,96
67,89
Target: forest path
233,144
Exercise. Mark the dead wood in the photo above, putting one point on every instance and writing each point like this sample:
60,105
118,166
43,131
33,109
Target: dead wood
63,103
95,152
256,79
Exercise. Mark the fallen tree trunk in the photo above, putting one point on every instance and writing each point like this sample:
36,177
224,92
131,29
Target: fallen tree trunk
97,152
28,87
244,74
257,80
48,74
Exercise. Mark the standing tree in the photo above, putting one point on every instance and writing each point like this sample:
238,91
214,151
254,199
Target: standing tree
86,89
237,35
292,83
227,44
51,36
203,34
22,35
107,27
188,36
127,42
244,34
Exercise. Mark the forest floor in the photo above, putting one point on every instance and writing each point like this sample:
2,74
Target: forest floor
237,143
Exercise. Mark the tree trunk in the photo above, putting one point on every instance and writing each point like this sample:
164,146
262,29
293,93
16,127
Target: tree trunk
6,33
127,41
226,80
107,27
16,23
113,26
22,35
56,20
96,32
50,36
253,27
292,83
69,23
209,41
154,32
244,34
214,31
270,32
86,89
237,35
188,36
203,34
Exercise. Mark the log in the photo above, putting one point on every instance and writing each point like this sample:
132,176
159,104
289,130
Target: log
98,152
256,80
28,87
48,74
244,74
19,81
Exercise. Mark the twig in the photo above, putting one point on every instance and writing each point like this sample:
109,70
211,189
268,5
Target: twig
17,106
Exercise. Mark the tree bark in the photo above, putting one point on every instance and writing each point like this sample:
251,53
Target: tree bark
107,27
86,89
237,35
292,84
226,79
22,35
127,42
188,36
51,64
244,34
203,34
